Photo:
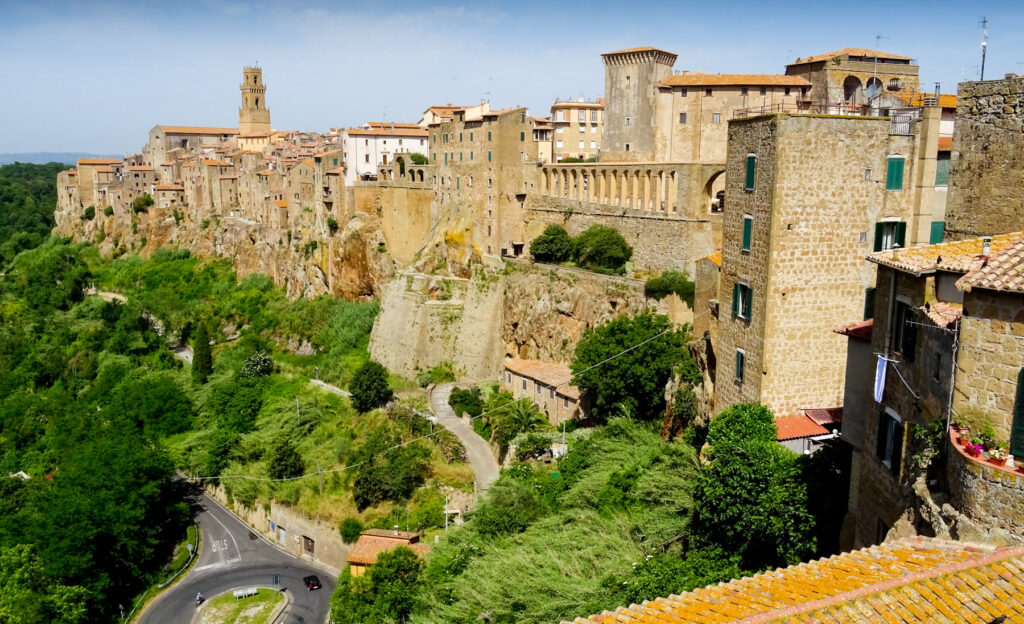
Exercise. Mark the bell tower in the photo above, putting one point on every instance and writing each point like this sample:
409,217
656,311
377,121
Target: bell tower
253,115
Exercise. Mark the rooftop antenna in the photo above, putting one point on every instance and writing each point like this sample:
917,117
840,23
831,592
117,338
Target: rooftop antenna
984,44
874,71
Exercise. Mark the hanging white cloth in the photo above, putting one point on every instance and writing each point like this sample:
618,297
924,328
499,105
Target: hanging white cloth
880,369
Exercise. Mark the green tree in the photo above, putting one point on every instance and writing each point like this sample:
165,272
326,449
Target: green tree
601,247
466,401
89,214
202,359
391,475
285,461
419,159
29,596
350,529
108,211
628,361
332,225
553,245
142,203
257,365
677,282
370,387
385,594
520,416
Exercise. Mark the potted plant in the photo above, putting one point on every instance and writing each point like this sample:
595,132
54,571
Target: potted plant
974,450
963,436
997,455
988,437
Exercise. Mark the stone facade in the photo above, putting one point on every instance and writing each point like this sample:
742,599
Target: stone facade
253,114
804,273
986,195
706,297
577,127
631,79
989,499
845,80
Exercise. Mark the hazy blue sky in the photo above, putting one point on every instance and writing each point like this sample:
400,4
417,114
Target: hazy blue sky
96,76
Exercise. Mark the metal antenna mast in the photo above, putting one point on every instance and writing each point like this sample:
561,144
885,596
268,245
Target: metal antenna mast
984,44
874,71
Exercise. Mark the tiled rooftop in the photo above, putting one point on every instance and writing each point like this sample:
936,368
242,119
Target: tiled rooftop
850,52
99,161
373,542
908,581
942,313
196,130
793,427
1004,270
639,49
954,256
946,100
546,373
825,416
860,331
694,79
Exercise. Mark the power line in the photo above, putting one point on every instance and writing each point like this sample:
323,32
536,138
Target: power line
429,435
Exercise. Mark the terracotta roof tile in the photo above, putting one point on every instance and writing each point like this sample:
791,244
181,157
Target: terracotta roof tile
398,132
1003,271
946,100
373,542
281,203
216,163
953,256
942,313
169,186
850,52
825,416
99,161
792,427
715,257
139,168
598,105
639,49
694,79
860,331
945,143
196,130
546,373
903,581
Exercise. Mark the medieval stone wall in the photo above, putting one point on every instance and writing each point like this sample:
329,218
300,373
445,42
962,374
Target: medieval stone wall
405,220
986,180
990,500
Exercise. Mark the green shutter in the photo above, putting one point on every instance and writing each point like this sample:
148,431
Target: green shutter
740,362
751,164
736,299
938,231
458,181
901,234
879,233
1017,433
894,175
488,155
748,225
746,302
942,169
883,434
897,448
869,303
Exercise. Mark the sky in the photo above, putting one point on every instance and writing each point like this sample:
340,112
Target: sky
96,76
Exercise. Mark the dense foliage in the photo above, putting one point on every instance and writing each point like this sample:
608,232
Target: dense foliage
677,282
553,245
623,365
381,596
598,248
464,401
370,387
28,197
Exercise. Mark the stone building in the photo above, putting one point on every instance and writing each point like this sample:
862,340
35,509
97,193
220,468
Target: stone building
577,129
807,198
547,385
986,194
164,139
847,80
373,542
631,79
376,144
253,114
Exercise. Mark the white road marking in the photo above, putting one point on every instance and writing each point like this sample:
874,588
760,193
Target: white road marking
237,551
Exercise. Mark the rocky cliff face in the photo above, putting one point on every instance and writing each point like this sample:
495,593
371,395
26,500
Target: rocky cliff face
350,263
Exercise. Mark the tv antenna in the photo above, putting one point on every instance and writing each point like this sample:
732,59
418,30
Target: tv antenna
874,71
984,44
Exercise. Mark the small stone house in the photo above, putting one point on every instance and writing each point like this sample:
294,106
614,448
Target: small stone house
547,385
373,542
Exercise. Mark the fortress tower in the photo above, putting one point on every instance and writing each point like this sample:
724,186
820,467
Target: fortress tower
253,115
631,80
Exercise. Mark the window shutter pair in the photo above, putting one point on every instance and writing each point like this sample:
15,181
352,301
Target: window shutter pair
736,299
894,175
869,303
901,234
879,235
751,163
741,297
746,302
748,226
1017,433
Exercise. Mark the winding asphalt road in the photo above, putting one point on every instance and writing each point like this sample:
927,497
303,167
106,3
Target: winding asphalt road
479,451
231,557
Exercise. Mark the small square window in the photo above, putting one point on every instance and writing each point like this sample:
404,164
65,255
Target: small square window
787,90
716,118
764,91
707,92
682,92
744,91
682,118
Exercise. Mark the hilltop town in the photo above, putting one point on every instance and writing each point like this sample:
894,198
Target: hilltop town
854,239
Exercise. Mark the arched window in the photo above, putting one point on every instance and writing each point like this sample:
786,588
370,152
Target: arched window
257,102
1017,432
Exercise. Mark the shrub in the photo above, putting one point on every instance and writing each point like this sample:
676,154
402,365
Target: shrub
350,529
258,364
285,461
521,416
142,203
676,282
532,446
553,245
419,159
202,359
451,448
332,224
441,373
391,475
370,387
510,507
601,247
89,213
108,211
466,402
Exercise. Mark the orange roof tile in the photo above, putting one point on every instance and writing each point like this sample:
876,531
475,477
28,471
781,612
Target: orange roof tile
694,79
389,124
792,427
229,177
945,144
946,100
899,581
373,542
639,49
336,171
546,373
266,172
850,52
942,313
281,203
825,416
99,161
104,170
255,135
715,257
1004,270
140,168
570,104
400,132
953,256
196,130
216,163
860,331
73,172
169,186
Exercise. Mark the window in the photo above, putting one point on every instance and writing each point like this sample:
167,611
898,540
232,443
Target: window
787,91
522,117
593,116
524,384
593,129
565,402
803,91
582,144
460,156
869,303
558,144
716,118
470,136
682,118
889,443
537,384
742,295
560,130
551,392
471,180
366,158
488,135
458,182
490,182
583,116
751,165
889,234
942,169
583,129
627,147
522,136
867,173
335,162
627,121
1017,430
894,174
682,92
471,155
627,81
937,232
593,145
741,362
748,226
744,91
707,92
764,91
561,115
904,331
508,377
488,155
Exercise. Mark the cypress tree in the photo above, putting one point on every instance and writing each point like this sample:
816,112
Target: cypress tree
202,361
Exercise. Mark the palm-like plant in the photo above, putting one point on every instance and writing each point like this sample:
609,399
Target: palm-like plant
520,416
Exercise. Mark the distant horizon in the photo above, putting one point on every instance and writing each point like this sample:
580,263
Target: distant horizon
96,78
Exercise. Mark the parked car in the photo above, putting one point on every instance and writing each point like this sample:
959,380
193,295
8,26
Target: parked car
312,582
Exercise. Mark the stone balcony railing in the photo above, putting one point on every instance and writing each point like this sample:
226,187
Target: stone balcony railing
415,176
648,187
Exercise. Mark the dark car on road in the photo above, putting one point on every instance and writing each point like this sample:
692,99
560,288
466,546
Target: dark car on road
312,582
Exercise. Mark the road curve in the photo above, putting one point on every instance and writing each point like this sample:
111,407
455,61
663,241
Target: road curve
479,451
231,557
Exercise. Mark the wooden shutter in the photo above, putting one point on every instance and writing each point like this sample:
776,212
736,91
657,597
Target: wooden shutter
740,362
883,435
901,234
736,299
751,164
746,302
937,232
894,175
879,234
869,303
748,225
897,448
1017,433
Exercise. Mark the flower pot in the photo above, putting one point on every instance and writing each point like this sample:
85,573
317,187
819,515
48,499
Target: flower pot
997,462
963,440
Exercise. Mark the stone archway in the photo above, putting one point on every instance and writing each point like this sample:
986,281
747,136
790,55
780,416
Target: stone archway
401,166
874,88
853,91
714,189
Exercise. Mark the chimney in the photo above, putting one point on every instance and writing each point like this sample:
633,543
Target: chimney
895,252
986,245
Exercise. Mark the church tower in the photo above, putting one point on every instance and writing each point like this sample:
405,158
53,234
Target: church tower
253,116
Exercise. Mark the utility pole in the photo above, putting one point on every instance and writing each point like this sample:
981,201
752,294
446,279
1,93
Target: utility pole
984,44
298,421
320,474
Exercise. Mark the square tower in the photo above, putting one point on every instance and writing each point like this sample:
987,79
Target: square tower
631,80
253,115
